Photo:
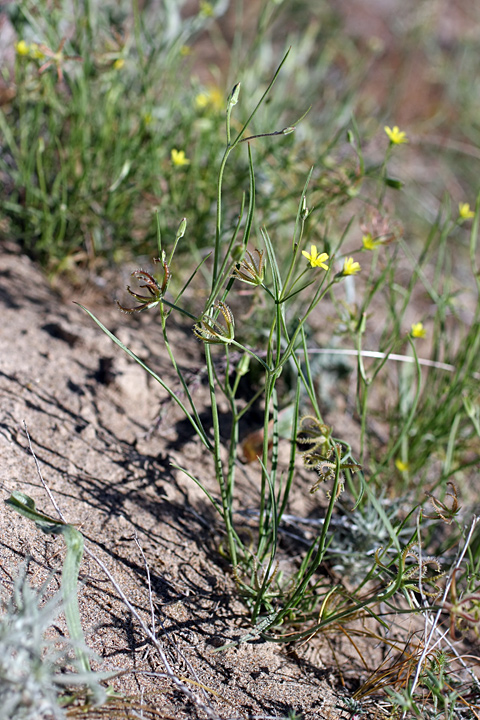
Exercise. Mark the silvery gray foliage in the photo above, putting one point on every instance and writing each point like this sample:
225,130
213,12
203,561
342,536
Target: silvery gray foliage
32,669
358,535
29,664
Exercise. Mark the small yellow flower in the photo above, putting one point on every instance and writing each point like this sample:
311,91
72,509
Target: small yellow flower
35,52
211,98
418,331
118,64
22,48
369,243
185,50
201,101
465,212
350,267
315,259
206,9
402,466
395,136
178,158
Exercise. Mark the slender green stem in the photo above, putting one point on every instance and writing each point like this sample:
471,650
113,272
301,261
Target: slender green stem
293,453
180,309
228,150
318,296
217,445
322,543
198,428
179,372
269,388
252,354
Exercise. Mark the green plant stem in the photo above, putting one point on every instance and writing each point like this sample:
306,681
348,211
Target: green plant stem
342,615
319,555
269,388
179,372
282,501
233,447
217,444
228,150
317,298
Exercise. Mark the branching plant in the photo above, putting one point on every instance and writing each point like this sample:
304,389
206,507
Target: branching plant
391,512
293,283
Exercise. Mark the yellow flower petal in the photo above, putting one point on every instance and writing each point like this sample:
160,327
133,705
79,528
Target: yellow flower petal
418,331
212,98
350,267
369,243
395,135
35,52
465,212
206,9
315,259
22,48
178,158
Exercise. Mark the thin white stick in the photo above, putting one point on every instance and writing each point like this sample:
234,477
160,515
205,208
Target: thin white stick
149,583
435,620
210,713
391,356
39,473
152,613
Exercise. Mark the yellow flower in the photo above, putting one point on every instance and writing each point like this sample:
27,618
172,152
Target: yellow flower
119,63
211,98
22,48
418,331
350,267
315,259
185,50
395,136
178,158
402,466
201,101
35,52
206,9
465,212
369,243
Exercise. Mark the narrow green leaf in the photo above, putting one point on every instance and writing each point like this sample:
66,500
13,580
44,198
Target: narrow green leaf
174,397
25,505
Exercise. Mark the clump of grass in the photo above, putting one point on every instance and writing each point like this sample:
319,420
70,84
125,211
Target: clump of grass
110,124
102,129
28,674
308,276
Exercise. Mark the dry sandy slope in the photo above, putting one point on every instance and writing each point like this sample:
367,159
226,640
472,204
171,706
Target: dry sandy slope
88,430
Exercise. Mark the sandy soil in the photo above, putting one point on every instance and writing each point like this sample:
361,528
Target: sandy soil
89,411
